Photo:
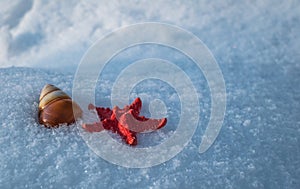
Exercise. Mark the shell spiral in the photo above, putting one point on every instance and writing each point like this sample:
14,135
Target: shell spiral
56,107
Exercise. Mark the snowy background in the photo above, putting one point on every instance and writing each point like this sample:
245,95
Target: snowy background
255,43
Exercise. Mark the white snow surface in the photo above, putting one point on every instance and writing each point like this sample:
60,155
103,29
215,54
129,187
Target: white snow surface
256,44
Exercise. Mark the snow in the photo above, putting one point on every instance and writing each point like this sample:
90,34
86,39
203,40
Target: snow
255,43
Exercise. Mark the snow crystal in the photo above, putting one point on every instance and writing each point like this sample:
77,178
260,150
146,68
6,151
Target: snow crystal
247,122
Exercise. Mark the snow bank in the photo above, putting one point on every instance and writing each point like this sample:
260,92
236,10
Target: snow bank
249,154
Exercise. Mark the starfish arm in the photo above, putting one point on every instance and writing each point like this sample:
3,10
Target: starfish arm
151,124
136,105
140,123
127,135
154,124
162,123
94,127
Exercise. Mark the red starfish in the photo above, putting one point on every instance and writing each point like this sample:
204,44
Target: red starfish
126,122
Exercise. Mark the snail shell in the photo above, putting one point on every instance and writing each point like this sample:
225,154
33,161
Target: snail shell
56,107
